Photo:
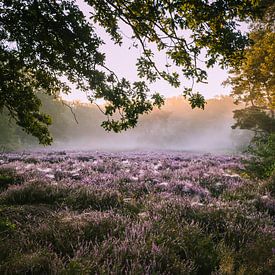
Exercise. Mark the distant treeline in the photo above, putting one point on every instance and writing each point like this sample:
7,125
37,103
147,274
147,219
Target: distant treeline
176,126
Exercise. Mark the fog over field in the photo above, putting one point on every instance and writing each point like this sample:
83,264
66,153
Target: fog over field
175,127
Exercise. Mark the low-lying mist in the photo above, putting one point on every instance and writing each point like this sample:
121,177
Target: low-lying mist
175,127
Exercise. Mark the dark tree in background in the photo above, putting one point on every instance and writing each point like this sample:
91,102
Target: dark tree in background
43,41
253,84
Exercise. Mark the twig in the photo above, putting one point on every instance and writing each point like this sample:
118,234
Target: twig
71,109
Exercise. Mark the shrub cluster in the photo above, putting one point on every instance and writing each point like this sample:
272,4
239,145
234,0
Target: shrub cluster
137,226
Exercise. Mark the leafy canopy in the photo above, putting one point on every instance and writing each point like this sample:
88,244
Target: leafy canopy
253,83
43,41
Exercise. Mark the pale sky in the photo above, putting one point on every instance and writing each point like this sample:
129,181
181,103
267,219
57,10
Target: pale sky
122,61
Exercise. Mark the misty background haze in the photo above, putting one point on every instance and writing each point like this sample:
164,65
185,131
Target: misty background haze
174,127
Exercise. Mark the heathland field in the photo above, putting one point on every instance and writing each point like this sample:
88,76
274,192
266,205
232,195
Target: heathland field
133,213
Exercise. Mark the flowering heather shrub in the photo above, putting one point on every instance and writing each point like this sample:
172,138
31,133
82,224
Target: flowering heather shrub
133,213
90,197
8,177
38,262
34,193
